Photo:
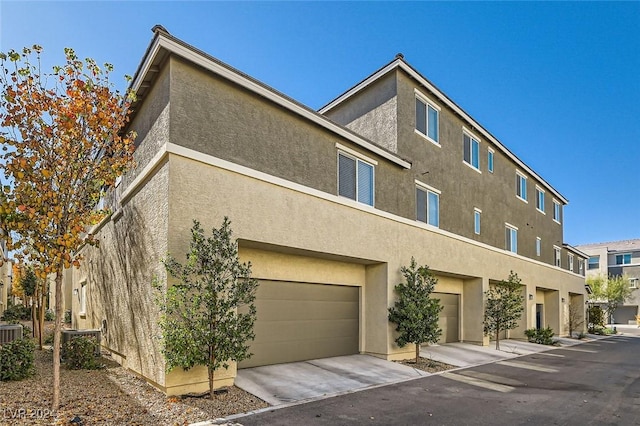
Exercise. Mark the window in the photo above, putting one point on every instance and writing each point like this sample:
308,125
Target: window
476,220
521,186
428,205
538,246
556,256
623,259
511,237
471,151
594,262
427,119
490,160
556,211
581,266
355,179
633,282
570,259
83,298
539,199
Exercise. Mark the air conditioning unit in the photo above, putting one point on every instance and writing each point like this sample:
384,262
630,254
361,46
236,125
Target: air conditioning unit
67,335
9,333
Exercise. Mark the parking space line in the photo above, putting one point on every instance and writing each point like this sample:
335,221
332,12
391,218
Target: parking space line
477,382
548,354
528,366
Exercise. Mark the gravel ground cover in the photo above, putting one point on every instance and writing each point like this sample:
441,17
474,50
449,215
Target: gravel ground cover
110,396
427,364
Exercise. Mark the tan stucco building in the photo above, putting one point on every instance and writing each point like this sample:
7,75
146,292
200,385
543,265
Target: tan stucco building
327,205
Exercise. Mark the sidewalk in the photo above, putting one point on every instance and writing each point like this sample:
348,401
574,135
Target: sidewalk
467,354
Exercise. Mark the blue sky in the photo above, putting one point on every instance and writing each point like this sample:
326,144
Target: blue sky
557,83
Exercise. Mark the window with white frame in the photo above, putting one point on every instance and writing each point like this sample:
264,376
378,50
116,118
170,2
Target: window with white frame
581,266
83,298
490,160
355,178
556,211
428,204
633,282
471,146
511,238
557,260
539,199
427,118
521,186
594,262
538,246
477,213
623,259
570,259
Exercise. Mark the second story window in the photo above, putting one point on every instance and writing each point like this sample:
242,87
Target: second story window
556,211
594,262
355,179
490,160
581,266
521,186
428,204
539,199
623,259
511,238
427,119
570,259
477,213
538,246
556,256
471,146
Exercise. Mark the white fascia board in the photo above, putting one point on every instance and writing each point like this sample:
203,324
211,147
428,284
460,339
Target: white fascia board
198,59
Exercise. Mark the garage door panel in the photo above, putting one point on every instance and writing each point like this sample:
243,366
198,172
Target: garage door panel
278,331
281,290
449,317
301,321
283,310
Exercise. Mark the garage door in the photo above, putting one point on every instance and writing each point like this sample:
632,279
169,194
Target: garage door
301,321
448,317
625,314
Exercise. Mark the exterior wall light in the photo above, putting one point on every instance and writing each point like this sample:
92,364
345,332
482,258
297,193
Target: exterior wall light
531,297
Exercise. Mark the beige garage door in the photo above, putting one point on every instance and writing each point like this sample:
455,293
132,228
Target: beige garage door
301,321
449,317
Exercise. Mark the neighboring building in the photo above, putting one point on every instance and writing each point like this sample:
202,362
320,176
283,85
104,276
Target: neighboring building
618,258
327,206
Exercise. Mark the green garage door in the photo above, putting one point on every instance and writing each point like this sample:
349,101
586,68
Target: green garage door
448,317
301,321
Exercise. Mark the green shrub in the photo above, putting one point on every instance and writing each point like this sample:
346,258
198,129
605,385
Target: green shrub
600,330
67,317
542,336
596,316
15,313
49,315
48,340
79,353
16,360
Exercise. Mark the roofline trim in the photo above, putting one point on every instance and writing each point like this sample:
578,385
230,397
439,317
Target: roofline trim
399,63
176,46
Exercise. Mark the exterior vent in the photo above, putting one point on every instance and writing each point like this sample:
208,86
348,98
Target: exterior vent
67,335
9,333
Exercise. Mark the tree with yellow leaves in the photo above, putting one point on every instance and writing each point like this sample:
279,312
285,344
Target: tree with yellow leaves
63,148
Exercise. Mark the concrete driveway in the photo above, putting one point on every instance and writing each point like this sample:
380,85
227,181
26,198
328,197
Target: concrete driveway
298,381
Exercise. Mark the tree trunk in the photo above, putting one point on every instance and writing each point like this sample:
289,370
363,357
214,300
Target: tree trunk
497,339
57,331
41,320
417,352
211,392
34,319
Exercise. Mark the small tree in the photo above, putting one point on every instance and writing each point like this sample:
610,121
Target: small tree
63,148
504,307
415,312
200,320
609,291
